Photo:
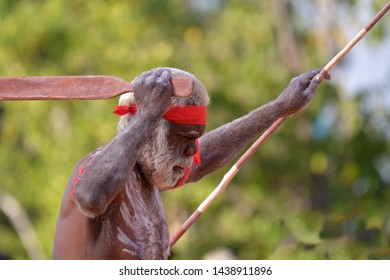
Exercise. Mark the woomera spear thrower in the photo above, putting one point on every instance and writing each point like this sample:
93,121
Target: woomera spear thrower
77,87
236,167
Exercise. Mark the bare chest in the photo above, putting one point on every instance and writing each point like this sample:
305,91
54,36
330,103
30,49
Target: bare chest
141,229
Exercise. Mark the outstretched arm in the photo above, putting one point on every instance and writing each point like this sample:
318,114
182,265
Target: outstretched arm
219,146
106,172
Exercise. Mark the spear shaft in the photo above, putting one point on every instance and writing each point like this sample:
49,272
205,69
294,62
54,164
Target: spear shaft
236,167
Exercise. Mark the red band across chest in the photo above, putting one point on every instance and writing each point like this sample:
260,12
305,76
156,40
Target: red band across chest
185,114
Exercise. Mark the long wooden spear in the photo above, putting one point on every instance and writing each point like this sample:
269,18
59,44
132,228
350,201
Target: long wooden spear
236,167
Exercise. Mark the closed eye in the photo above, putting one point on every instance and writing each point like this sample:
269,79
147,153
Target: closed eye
190,135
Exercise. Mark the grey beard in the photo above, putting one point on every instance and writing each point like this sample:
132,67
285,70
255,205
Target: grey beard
157,159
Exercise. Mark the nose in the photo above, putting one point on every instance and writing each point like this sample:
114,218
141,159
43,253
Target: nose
191,149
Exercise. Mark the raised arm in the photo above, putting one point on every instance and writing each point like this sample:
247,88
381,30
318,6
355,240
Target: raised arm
106,172
219,146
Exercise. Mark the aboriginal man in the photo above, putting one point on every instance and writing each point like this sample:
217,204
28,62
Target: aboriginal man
111,208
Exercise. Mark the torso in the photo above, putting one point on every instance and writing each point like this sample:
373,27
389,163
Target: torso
133,227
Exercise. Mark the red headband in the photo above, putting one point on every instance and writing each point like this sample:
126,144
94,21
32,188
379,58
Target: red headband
186,114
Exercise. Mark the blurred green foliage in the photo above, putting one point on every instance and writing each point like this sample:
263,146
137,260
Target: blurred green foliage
317,189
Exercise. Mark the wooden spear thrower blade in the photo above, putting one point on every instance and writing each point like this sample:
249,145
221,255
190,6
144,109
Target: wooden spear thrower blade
77,87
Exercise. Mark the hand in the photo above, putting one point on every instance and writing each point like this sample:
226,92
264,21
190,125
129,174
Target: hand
152,92
300,91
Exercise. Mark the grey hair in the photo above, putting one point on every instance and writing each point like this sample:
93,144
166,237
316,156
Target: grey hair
198,97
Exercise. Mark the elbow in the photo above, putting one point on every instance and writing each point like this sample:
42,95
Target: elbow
90,203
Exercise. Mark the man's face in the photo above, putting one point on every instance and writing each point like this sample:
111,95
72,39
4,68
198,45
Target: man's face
165,156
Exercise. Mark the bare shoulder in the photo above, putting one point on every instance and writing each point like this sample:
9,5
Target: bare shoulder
68,199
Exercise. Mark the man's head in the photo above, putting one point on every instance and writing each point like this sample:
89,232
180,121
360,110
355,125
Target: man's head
171,146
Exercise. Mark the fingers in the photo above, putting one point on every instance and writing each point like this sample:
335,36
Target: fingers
313,86
149,77
153,91
317,79
326,75
164,79
312,79
164,76
159,76
308,83
305,78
